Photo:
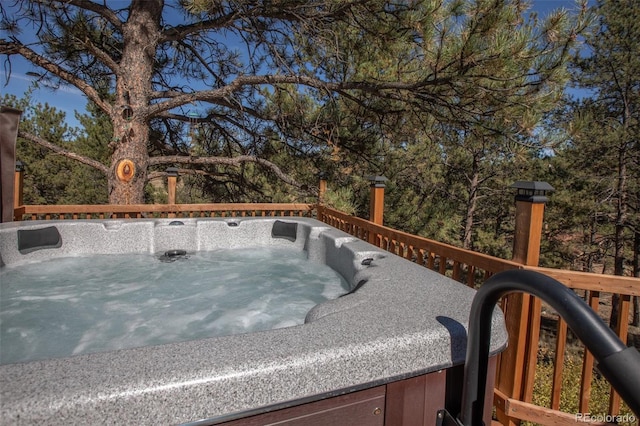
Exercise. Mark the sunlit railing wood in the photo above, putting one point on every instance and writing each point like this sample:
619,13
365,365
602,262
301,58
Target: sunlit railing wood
462,265
107,211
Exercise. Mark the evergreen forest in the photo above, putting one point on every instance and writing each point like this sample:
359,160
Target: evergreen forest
451,100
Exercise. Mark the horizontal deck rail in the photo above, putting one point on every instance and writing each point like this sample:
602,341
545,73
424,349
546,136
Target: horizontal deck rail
462,265
107,211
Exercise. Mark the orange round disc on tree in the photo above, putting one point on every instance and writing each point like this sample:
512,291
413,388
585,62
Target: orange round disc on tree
126,170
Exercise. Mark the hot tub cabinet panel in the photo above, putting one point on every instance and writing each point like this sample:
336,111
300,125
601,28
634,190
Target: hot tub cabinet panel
414,401
375,347
362,408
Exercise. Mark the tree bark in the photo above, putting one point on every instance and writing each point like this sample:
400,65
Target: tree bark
621,222
636,273
467,240
130,158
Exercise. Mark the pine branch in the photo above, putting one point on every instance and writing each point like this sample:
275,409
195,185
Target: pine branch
101,10
226,161
12,48
64,152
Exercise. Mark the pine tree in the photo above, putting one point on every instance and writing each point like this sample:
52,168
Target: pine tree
146,67
52,178
604,148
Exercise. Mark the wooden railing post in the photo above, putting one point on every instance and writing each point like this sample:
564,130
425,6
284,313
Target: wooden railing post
172,181
322,186
18,185
522,312
376,204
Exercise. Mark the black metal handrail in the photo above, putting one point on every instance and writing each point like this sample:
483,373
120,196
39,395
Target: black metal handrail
619,364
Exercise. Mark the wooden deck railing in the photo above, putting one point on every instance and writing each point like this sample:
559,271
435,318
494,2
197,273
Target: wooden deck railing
466,266
462,265
472,269
110,211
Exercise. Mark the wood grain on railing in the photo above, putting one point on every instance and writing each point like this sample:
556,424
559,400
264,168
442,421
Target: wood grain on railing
466,266
593,282
62,212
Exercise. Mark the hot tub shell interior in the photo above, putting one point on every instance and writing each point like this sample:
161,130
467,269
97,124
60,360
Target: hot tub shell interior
403,322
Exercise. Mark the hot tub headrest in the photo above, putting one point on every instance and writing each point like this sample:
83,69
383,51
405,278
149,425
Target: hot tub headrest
286,230
37,239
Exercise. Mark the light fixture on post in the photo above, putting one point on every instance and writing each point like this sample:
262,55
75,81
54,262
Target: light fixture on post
376,205
532,191
172,178
531,197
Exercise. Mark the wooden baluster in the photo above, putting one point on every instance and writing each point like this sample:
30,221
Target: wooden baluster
420,257
442,267
456,270
622,330
535,314
558,364
471,276
587,363
410,253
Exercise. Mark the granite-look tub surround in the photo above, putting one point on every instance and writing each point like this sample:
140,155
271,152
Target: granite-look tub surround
404,321
151,236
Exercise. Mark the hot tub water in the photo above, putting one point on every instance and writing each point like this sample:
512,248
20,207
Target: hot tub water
75,305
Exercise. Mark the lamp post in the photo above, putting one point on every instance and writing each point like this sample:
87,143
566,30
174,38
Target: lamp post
322,186
172,179
531,196
522,313
376,204
18,181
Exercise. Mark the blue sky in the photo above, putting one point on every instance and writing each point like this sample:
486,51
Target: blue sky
69,99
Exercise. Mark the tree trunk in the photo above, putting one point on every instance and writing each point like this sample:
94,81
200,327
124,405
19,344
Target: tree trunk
636,273
467,241
621,222
129,162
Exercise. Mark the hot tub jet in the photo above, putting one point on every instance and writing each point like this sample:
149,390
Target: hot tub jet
173,255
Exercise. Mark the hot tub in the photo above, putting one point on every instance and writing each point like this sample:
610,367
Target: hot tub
399,327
